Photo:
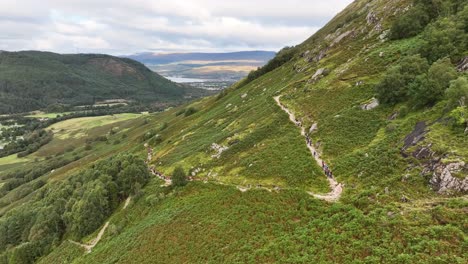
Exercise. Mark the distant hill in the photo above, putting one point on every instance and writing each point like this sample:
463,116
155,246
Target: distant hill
154,58
31,80
221,68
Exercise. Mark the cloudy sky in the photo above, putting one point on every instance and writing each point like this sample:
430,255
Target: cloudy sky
131,26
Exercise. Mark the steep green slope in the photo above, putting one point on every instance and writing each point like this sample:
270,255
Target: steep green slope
403,166
31,80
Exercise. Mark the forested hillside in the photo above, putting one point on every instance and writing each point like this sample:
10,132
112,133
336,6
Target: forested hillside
348,148
31,80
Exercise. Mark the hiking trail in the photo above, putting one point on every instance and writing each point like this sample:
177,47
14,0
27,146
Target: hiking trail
88,247
336,188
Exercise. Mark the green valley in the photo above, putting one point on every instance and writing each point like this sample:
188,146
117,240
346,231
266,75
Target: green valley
351,147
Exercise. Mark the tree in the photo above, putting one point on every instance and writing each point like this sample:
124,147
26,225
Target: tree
444,38
428,88
395,84
457,93
179,178
410,24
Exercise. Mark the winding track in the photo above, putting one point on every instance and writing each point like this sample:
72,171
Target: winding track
88,247
336,188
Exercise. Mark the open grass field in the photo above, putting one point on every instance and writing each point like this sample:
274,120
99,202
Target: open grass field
79,127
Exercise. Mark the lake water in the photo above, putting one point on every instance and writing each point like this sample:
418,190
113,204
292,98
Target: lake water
185,80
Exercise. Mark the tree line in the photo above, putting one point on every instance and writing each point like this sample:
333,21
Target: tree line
72,208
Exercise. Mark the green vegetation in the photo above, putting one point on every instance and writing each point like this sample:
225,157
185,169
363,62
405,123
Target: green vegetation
415,81
215,224
393,208
283,56
33,80
73,208
178,177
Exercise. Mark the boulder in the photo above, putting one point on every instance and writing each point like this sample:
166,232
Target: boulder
318,73
444,182
371,105
463,65
313,127
341,37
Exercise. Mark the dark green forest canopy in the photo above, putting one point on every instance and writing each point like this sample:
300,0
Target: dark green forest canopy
75,207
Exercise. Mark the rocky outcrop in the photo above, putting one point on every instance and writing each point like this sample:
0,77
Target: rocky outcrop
414,137
341,37
218,149
318,74
313,127
373,20
443,180
371,105
442,175
463,65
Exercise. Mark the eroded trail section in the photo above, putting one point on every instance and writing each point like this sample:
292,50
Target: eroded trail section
88,247
152,169
336,188
93,243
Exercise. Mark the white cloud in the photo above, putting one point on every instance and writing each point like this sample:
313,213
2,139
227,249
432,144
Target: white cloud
127,26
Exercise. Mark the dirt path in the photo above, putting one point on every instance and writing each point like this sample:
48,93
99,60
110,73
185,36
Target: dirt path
336,188
127,202
152,168
88,247
93,243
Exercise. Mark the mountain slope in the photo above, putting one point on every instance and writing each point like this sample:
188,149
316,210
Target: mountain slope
31,80
255,194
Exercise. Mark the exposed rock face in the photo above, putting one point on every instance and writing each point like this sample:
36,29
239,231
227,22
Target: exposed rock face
414,137
463,65
341,37
444,182
373,20
219,150
313,127
371,105
318,74
442,179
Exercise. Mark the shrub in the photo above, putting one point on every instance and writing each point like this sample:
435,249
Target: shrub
181,111
457,93
428,88
190,111
163,126
394,86
410,24
444,38
179,178
403,111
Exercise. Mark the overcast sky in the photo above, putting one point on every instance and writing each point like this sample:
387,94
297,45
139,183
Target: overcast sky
130,26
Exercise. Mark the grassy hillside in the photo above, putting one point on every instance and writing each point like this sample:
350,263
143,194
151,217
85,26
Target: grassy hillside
402,164
31,80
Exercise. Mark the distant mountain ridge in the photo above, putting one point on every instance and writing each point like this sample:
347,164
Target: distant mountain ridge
152,58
